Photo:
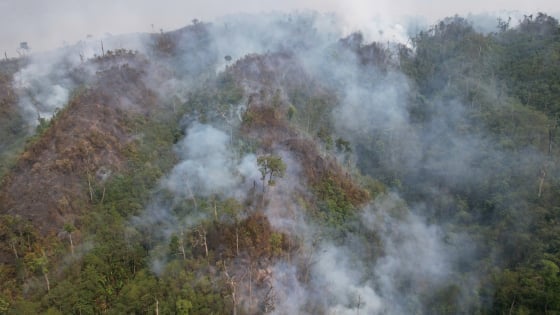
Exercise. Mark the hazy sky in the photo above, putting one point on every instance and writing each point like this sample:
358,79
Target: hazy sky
47,24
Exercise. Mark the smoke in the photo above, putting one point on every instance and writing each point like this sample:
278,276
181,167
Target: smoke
357,274
349,275
353,276
368,108
289,293
400,250
43,87
45,82
410,253
415,254
339,275
208,167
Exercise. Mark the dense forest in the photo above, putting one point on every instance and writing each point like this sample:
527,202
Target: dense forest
272,164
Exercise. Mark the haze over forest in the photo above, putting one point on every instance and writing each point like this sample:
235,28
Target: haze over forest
48,25
312,158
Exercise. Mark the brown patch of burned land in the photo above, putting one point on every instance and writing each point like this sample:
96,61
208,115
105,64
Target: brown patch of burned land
48,186
269,122
325,174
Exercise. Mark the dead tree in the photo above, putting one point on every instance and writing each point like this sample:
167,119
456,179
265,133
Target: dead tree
541,181
182,245
69,229
233,282
191,193
200,239
268,303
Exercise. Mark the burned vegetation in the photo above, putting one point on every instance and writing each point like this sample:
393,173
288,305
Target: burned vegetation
267,166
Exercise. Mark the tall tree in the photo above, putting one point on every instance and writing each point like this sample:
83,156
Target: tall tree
271,166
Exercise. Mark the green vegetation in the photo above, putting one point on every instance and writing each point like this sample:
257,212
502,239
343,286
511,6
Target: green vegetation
271,166
520,109
12,127
478,160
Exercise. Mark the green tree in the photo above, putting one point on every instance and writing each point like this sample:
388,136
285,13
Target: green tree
183,306
69,228
39,264
271,166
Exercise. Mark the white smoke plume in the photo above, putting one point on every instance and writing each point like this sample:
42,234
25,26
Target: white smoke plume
42,87
414,255
208,166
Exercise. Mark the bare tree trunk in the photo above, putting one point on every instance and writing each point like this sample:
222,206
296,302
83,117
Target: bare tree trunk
191,193
511,307
202,238
234,301
103,195
71,243
215,210
550,138
13,243
250,285
205,245
90,188
290,250
236,239
46,276
541,181
231,281
157,307
182,245
45,272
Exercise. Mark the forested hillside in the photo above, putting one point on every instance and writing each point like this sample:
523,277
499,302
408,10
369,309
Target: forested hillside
272,164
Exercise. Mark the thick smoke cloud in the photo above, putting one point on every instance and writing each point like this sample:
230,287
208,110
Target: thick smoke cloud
414,255
42,87
342,279
208,166
339,278
367,108
374,105
372,112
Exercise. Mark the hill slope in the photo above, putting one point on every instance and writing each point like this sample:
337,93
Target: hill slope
271,166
